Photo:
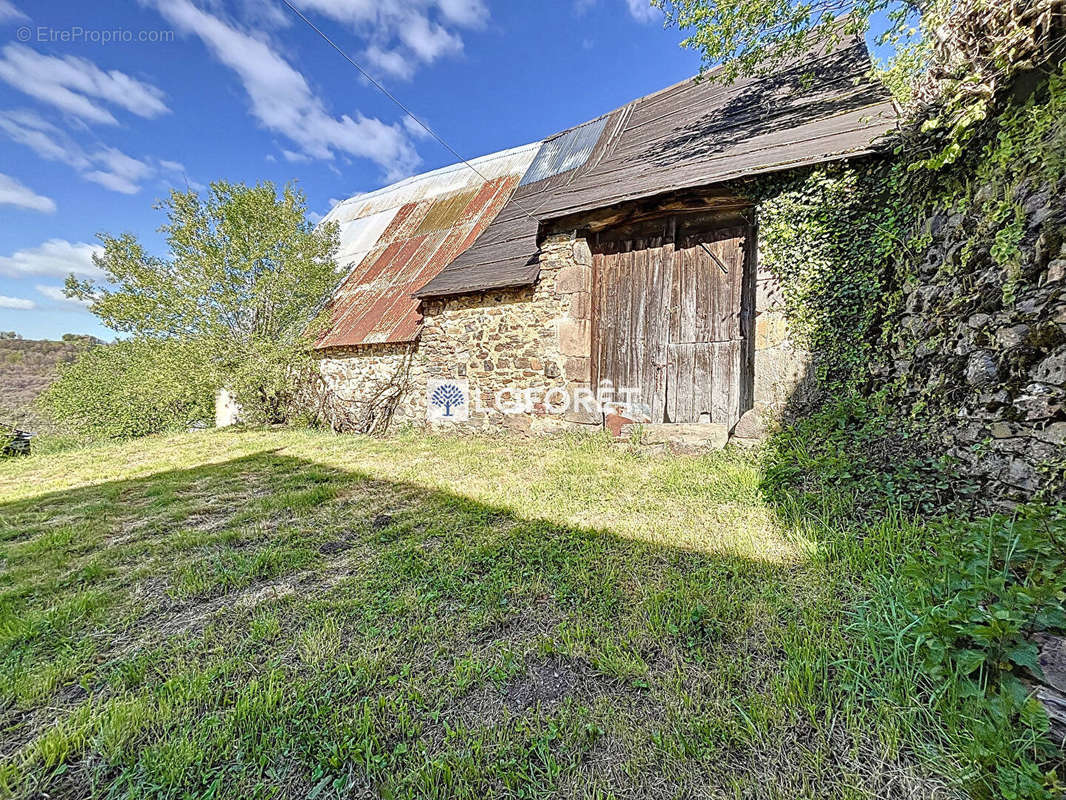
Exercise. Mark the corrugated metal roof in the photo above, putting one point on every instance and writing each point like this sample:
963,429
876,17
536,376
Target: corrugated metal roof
825,107
413,239
396,239
565,151
506,254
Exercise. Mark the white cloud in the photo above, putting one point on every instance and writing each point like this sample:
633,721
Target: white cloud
106,166
45,139
17,302
468,13
121,173
77,86
55,294
14,193
391,62
640,10
54,258
8,11
643,10
402,35
415,129
176,170
428,40
282,100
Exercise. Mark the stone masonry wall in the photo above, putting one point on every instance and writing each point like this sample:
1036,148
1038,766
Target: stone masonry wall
983,347
375,378
531,338
782,370
510,341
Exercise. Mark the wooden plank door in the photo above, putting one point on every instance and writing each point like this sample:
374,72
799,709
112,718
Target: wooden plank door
631,288
707,375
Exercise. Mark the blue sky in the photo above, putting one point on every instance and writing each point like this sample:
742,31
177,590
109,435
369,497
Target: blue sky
92,131
103,110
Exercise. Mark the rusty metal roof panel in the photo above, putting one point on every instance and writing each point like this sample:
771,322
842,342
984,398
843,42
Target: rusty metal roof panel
397,239
505,255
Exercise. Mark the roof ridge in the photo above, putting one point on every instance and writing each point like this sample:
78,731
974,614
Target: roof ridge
438,172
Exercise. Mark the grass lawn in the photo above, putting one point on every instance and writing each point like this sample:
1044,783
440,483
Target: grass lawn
295,614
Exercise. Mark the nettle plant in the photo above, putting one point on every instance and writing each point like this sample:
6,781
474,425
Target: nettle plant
984,590
974,602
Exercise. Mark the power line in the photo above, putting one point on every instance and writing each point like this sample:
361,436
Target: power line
393,98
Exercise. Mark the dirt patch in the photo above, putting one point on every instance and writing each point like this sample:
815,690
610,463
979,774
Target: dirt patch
334,547
546,685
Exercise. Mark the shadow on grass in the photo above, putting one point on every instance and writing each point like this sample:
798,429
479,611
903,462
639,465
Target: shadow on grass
269,626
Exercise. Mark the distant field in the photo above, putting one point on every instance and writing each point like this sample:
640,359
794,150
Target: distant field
27,366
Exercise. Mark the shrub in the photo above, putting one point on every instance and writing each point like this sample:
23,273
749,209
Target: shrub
132,388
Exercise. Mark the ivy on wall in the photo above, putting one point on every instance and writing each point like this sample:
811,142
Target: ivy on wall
829,235
847,242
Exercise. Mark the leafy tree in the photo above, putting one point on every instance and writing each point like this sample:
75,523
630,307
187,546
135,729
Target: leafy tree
752,37
244,282
132,388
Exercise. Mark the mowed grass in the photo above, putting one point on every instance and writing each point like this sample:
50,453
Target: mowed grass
295,614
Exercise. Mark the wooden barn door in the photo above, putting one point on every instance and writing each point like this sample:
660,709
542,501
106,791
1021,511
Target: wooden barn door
672,317
631,287
706,352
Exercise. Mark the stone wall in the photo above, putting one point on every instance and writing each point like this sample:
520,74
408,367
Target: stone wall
533,339
374,380
979,348
508,342
782,370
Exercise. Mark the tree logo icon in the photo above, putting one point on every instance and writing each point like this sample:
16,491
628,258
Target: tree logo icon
447,401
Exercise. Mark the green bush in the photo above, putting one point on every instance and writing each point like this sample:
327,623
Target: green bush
132,388
850,459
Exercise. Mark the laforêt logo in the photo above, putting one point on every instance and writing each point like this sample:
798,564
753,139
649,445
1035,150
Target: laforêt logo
447,401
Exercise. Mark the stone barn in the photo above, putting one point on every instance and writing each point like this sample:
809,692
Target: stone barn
608,274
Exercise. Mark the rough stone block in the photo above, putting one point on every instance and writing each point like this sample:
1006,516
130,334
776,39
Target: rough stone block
583,416
582,253
782,374
1022,475
754,423
573,279
1040,401
768,294
1055,434
981,369
578,369
575,338
580,305
1051,370
1056,270
695,435
1012,335
771,330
